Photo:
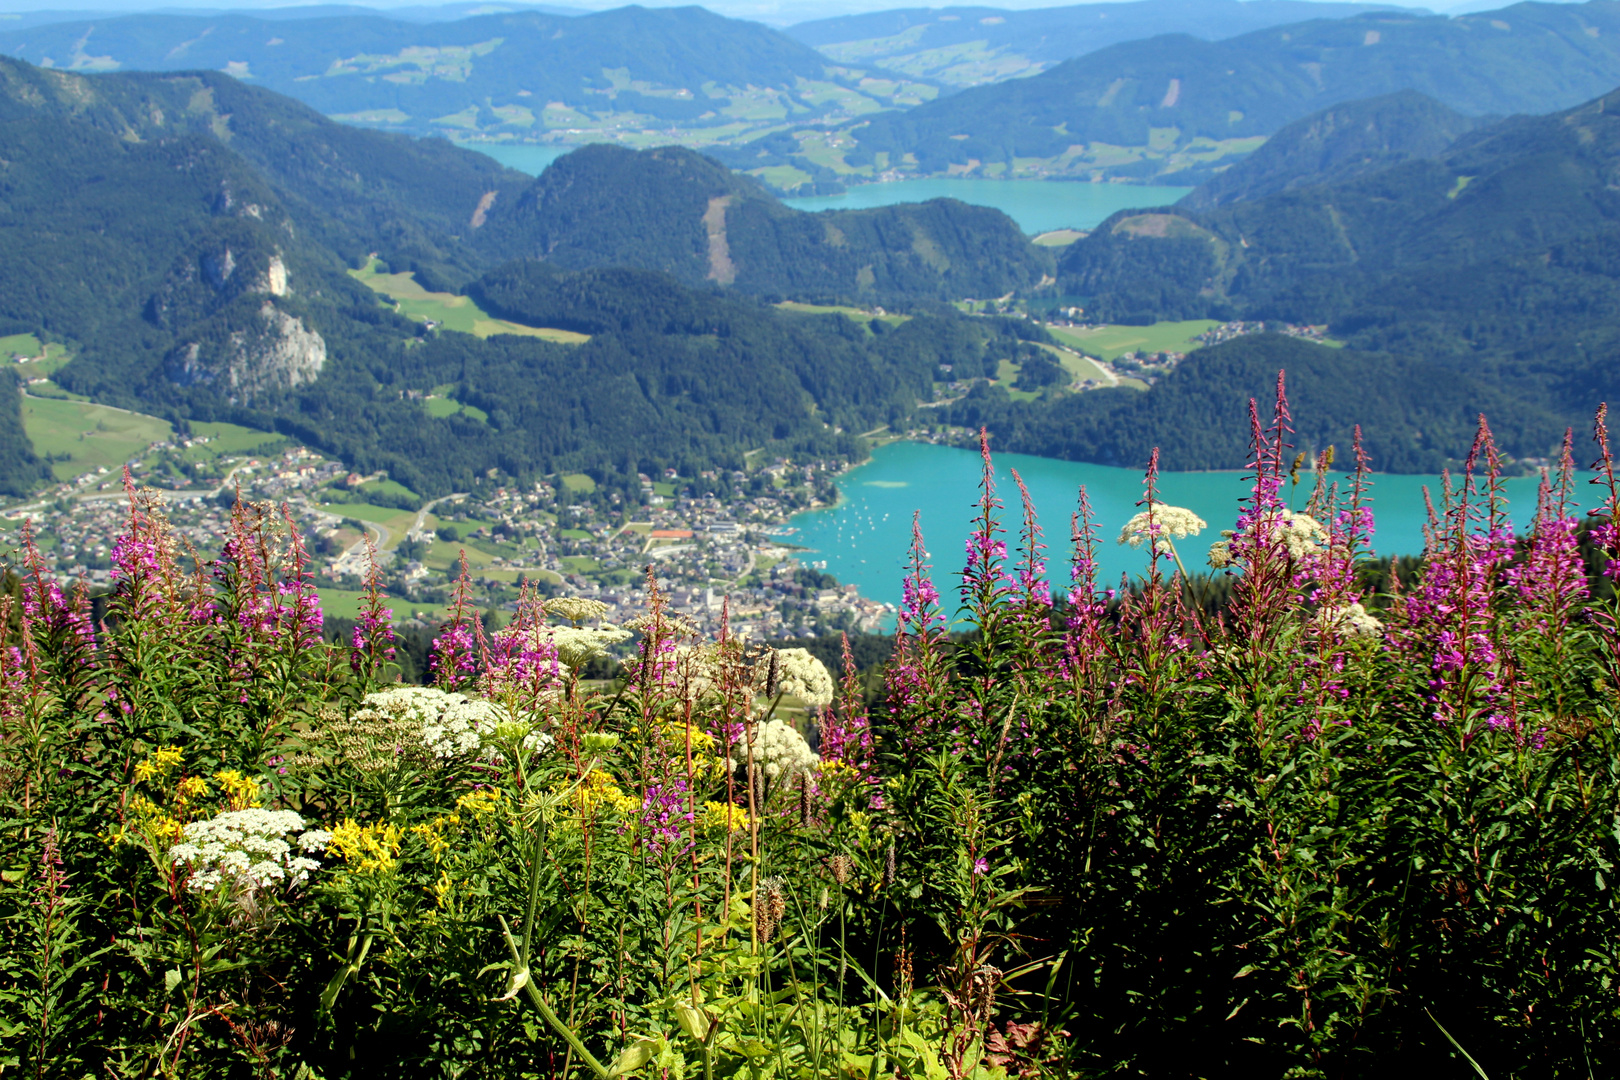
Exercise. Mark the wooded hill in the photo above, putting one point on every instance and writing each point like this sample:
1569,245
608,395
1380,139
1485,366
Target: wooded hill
677,211
190,238
1484,278
518,73
1338,144
1179,94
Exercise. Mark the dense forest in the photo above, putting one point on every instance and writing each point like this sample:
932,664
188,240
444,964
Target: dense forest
496,72
1414,415
943,43
20,467
1338,144
677,211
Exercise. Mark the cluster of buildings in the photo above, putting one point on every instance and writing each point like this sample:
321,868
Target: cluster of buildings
1227,331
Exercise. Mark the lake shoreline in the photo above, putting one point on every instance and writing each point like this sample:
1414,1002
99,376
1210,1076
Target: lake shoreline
865,535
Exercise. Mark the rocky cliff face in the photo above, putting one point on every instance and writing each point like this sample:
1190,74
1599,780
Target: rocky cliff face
274,351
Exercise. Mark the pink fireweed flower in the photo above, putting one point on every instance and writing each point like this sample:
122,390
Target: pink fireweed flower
666,817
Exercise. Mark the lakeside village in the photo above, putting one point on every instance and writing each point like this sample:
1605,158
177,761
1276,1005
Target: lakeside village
710,537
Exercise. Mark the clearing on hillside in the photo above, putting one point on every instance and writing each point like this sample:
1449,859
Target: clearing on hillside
1112,342
86,437
453,312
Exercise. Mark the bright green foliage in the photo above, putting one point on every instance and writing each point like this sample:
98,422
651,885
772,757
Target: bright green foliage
1295,828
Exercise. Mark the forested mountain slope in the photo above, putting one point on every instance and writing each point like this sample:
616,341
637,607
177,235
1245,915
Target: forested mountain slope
684,214
1485,278
1338,144
1187,100
190,239
968,46
516,73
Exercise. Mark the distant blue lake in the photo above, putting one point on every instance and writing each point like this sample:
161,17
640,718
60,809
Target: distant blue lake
1036,205
865,538
520,156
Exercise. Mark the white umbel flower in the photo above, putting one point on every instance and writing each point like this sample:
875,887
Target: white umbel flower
250,848
1352,622
1171,523
576,609
1300,533
780,752
452,725
798,674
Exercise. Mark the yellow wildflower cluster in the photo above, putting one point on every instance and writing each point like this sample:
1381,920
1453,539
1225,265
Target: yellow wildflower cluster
159,763
484,802
240,792
366,848
675,734
480,805
723,817
146,820
599,789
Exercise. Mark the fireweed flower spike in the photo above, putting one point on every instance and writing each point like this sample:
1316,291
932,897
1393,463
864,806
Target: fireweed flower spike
454,662
984,578
372,640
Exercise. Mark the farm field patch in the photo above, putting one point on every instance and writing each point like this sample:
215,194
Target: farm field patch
82,437
453,312
1111,342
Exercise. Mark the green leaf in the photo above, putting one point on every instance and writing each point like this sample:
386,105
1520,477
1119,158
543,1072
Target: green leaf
171,979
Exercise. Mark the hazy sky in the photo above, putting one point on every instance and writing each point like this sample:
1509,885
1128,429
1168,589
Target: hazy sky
777,12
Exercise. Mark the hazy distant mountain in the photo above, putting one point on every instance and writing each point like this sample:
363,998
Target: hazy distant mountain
1176,103
520,75
968,46
1338,144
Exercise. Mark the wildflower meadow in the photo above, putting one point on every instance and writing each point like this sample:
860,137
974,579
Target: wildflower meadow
1275,807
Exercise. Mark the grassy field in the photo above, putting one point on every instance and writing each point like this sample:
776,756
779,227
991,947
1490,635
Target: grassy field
578,481
389,487
1059,237
854,313
42,359
441,406
226,438
1006,375
397,522
1079,366
454,312
92,436
1109,342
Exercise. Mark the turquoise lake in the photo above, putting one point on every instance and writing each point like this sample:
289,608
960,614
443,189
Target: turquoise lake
1037,205
865,538
520,156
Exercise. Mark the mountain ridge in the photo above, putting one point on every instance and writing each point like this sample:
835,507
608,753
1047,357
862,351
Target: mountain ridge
1185,104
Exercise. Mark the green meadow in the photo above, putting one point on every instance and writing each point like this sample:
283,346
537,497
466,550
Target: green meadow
1111,342
88,436
458,313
